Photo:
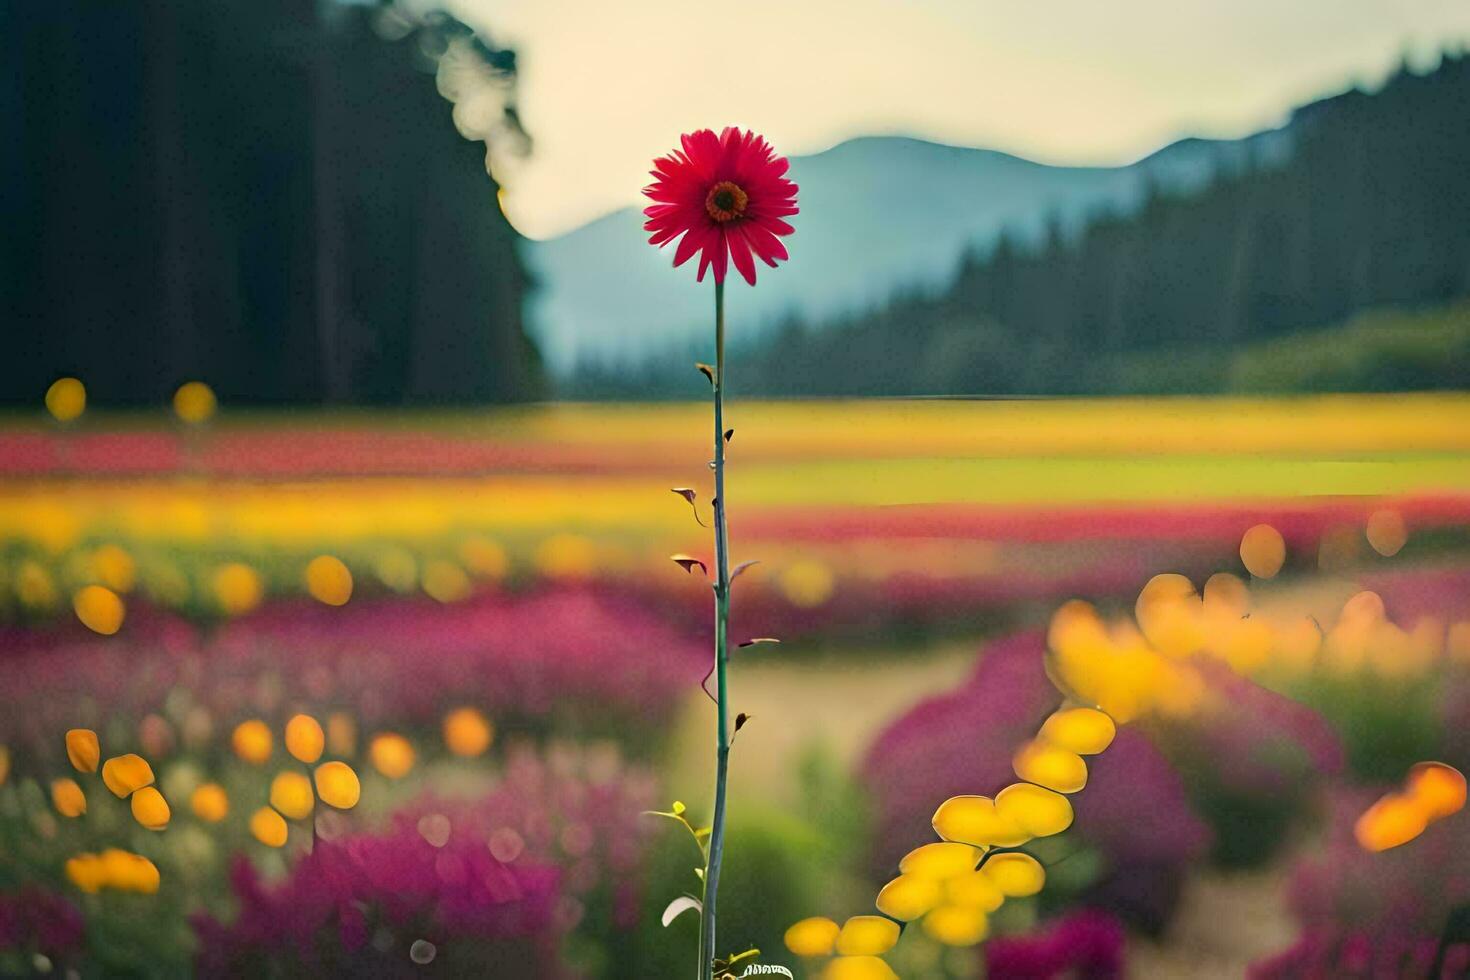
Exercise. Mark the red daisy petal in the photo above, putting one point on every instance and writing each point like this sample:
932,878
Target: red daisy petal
740,252
765,245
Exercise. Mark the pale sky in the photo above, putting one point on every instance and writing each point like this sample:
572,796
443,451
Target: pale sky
606,85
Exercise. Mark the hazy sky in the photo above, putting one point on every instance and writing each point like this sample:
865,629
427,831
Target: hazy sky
608,84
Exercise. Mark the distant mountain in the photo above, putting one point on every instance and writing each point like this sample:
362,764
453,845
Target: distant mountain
879,215
1262,278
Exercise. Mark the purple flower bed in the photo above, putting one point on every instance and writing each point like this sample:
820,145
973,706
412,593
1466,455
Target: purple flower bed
495,882
573,657
577,809
1086,945
37,920
376,905
1133,811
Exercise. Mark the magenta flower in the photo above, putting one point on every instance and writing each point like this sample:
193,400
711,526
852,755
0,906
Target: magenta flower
726,195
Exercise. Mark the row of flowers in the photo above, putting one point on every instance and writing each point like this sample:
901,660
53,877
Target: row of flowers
577,659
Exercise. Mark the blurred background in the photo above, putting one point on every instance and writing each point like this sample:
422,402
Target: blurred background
341,400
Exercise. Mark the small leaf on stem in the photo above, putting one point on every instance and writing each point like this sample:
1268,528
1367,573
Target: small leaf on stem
678,907
740,721
729,434
687,563
707,371
688,494
735,572
759,639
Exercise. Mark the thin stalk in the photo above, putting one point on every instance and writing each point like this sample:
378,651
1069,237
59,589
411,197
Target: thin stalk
722,619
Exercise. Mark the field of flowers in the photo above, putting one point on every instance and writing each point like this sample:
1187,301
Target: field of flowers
335,693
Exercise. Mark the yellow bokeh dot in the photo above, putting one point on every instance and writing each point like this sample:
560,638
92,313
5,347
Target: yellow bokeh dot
909,896
975,820
252,741
812,937
566,556
1171,615
113,868
125,773
66,399
485,558
150,808
397,569
867,935
858,968
1392,821
83,750
305,739
1015,874
1052,766
210,802
1438,789
237,588
1227,595
940,860
194,402
338,785
115,568
1386,532
68,798
129,872
446,582
957,925
807,584
34,586
467,732
99,609
268,827
391,754
1085,731
291,795
1040,811
328,580
1263,551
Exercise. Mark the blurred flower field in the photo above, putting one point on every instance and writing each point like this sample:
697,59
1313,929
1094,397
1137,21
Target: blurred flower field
384,695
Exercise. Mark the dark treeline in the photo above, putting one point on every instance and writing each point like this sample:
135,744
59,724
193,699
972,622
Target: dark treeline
270,196
1371,210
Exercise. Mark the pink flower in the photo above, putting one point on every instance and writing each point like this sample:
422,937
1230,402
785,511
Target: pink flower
726,195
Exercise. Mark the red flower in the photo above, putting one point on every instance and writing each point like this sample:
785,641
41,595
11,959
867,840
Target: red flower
726,195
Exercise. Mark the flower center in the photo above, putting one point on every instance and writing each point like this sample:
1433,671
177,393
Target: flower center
725,201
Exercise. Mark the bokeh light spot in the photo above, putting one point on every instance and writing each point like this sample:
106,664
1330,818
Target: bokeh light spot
66,399
99,609
328,580
1263,551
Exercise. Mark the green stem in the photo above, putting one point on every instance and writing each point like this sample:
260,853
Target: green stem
722,619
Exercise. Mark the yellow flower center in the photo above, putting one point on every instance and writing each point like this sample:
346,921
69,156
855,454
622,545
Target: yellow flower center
725,201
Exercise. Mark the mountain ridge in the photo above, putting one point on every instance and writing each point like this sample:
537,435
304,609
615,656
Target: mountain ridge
604,297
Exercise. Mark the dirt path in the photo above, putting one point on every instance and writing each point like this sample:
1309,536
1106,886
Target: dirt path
794,705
